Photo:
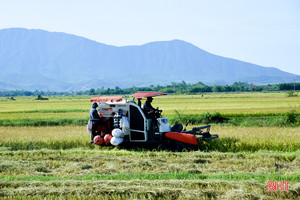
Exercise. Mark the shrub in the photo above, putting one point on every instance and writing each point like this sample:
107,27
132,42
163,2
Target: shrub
291,116
291,94
203,118
212,118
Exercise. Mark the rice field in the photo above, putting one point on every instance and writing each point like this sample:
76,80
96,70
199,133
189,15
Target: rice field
75,109
228,105
51,161
123,174
232,139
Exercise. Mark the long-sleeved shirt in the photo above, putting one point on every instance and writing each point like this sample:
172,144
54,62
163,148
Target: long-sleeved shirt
94,114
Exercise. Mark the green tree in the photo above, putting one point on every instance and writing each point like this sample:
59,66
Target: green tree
218,88
92,91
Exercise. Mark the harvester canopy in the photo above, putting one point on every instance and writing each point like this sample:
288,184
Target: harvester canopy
140,95
107,99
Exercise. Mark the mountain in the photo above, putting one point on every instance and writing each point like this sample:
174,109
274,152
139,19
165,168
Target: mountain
33,59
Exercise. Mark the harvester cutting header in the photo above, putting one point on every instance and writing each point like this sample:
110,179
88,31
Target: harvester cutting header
126,123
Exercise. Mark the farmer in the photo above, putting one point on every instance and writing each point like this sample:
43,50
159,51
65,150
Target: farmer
96,120
148,109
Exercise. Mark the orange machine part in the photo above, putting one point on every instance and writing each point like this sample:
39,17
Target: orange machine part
182,137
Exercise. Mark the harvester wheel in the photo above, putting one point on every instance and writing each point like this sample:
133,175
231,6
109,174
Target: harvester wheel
173,145
180,146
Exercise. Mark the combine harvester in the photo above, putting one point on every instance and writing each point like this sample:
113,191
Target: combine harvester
131,128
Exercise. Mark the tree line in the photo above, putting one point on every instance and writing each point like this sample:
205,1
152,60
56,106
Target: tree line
173,88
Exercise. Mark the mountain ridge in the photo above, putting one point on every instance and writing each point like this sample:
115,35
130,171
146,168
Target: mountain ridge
37,59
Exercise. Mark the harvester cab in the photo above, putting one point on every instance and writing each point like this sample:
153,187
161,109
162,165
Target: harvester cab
132,127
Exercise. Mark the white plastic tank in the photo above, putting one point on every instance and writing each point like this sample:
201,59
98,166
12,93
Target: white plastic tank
116,140
117,133
163,124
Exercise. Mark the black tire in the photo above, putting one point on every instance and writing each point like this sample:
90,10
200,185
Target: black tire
176,146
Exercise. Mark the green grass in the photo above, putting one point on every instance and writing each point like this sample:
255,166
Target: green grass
45,122
261,178
143,189
291,118
258,119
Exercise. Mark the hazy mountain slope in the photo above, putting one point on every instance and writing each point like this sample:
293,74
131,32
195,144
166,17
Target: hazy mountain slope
37,59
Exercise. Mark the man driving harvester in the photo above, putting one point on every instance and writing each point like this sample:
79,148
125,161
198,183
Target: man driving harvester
148,109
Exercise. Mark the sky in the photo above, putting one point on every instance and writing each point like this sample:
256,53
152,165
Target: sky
263,32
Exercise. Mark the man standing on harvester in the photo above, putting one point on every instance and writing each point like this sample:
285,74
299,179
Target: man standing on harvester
95,118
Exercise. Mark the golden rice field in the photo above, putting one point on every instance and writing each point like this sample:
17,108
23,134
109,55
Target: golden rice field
255,138
78,107
58,162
